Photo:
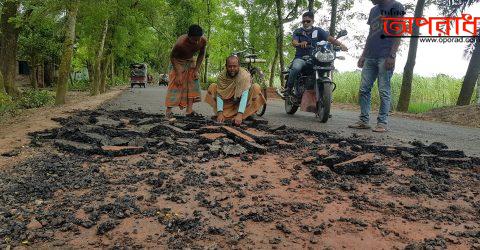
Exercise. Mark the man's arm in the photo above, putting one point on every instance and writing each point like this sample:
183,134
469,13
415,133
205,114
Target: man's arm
334,41
361,60
220,117
296,41
174,53
201,55
390,61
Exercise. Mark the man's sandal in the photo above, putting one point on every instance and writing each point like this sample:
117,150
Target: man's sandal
170,118
380,128
359,125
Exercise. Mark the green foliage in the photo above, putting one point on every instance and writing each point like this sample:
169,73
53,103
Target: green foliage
205,85
118,81
40,38
36,98
79,85
427,92
6,104
29,99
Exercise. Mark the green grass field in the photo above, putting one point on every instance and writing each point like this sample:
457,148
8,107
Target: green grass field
427,92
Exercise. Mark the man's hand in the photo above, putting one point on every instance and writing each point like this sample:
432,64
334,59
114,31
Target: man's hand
389,63
195,74
220,117
303,44
361,62
238,119
343,47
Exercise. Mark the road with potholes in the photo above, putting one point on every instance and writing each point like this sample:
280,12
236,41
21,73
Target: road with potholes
151,100
113,179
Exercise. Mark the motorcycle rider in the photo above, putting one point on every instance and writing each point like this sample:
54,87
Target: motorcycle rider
303,40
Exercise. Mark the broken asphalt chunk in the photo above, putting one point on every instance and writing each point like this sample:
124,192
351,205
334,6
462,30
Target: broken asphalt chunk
76,147
115,151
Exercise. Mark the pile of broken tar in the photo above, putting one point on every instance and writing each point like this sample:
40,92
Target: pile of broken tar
75,155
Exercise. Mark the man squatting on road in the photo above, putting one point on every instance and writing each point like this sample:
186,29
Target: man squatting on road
235,96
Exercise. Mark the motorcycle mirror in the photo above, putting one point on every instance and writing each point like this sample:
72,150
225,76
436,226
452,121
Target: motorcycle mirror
342,33
341,58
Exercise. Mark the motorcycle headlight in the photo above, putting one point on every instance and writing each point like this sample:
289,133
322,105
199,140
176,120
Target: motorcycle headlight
325,56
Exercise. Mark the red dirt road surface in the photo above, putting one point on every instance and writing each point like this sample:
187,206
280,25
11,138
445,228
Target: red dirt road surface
126,179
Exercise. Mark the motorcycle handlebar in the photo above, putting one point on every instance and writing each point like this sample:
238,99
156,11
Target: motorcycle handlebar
309,46
239,52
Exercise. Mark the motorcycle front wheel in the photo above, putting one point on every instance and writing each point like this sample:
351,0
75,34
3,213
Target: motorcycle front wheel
290,106
324,104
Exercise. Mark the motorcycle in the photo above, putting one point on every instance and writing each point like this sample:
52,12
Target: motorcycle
315,85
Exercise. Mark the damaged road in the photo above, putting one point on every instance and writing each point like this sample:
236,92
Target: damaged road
115,179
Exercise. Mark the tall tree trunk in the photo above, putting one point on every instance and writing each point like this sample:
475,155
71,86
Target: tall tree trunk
2,86
272,69
310,5
103,79
66,61
49,77
33,76
9,43
90,73
406,90
41,75
279,4
71,77
470,78
209,22
333,17
478,90
112,68
95,89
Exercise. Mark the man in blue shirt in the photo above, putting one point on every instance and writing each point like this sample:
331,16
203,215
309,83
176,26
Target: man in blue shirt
303,40
378,61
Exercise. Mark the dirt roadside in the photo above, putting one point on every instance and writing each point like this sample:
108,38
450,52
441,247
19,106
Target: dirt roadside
466,116
131,180
14,132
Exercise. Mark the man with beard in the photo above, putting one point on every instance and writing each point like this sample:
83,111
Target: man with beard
184,88
235,96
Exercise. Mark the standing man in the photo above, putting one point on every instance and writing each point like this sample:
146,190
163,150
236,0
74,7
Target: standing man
184,88
303,40
234,96
378,62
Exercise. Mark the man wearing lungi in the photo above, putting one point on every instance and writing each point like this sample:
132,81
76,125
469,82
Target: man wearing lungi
234,96
184,88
